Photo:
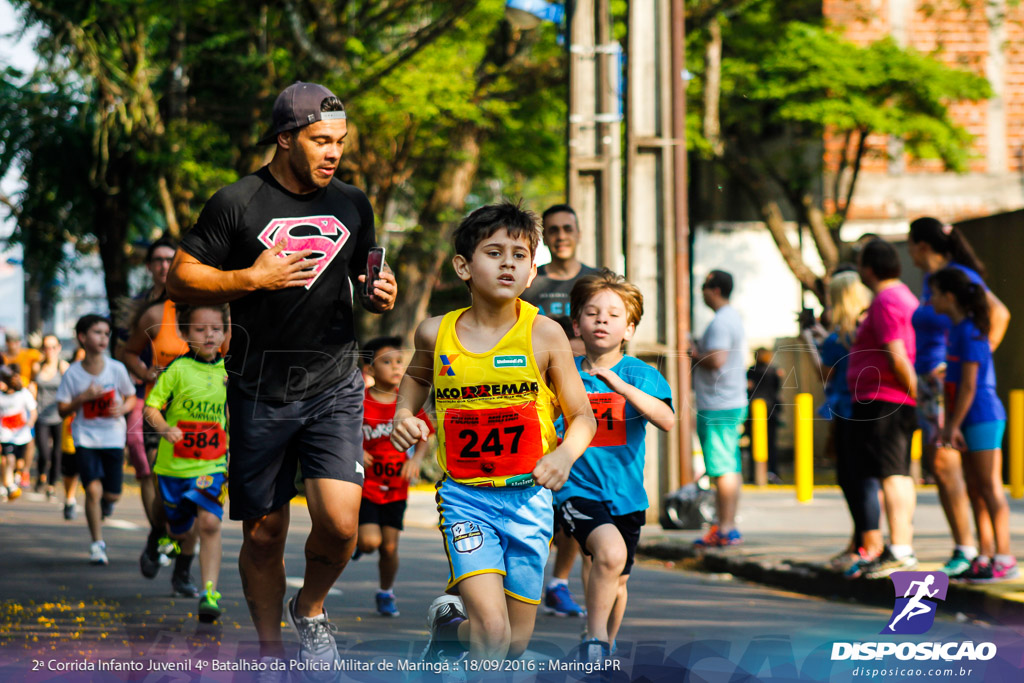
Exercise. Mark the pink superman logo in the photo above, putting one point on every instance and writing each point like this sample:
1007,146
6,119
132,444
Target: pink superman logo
325,235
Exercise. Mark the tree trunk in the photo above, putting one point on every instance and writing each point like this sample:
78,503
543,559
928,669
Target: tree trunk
110,225
419,267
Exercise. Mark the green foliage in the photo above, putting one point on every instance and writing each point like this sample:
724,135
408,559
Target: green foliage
154,107
782,74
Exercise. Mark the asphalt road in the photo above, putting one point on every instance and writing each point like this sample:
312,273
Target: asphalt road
57,611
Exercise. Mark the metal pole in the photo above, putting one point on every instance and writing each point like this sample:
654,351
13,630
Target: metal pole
682,239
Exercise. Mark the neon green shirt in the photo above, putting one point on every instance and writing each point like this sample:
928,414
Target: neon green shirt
194,393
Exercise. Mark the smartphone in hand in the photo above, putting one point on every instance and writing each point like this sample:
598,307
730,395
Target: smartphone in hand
374,264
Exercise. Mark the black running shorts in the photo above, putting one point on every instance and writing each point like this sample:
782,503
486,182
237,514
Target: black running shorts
323,434
383,514
580,516
881,433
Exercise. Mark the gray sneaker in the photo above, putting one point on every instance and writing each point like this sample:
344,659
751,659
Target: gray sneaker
318,651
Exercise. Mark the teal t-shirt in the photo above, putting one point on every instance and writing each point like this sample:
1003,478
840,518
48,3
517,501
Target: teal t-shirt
611,470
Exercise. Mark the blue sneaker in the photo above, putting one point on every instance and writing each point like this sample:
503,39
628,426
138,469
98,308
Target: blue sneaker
558,601
386,606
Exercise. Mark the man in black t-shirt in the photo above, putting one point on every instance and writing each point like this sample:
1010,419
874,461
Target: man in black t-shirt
286,246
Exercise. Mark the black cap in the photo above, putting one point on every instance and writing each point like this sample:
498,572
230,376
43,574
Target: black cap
298,105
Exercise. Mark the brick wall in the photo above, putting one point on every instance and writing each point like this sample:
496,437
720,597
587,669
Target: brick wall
958,36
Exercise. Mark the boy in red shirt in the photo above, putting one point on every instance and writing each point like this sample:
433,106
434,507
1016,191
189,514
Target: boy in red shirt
388,471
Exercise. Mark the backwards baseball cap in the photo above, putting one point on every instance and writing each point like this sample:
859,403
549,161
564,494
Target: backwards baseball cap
298,105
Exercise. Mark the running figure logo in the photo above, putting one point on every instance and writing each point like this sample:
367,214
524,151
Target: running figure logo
917,594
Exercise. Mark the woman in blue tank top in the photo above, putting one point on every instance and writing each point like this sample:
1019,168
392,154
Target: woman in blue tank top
934,245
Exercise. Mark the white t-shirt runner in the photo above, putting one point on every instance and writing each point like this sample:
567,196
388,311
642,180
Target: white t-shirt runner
15,410
93,427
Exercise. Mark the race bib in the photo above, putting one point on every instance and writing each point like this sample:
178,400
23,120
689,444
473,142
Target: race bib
610,412
13,422
494,442
201,441
99,407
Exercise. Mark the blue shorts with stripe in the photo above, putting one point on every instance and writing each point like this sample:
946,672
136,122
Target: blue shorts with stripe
503,530
183,496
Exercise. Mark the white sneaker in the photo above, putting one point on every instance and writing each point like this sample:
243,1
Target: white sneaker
98,553
441,611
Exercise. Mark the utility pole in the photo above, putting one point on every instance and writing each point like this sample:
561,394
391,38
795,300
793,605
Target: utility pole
657,235
594,182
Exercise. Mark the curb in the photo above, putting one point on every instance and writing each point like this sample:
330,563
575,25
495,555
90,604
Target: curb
998,602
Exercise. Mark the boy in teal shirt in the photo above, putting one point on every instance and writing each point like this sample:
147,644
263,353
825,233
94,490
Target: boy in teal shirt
191,463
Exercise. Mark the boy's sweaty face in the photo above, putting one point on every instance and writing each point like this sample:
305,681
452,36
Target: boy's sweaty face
604,322
502,267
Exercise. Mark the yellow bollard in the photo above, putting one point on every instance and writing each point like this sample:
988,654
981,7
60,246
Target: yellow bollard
759,440
804,451
915,457
1016,443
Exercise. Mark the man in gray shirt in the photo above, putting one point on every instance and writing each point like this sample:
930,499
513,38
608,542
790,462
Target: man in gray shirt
720,385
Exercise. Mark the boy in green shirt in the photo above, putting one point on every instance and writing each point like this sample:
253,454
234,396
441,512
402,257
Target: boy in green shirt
191,463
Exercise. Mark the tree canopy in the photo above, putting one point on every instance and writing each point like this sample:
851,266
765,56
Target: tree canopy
773,81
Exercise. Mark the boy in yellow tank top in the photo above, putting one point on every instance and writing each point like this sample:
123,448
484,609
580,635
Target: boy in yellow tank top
498,370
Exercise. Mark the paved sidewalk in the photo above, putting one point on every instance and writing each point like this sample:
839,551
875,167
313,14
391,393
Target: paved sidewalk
788,544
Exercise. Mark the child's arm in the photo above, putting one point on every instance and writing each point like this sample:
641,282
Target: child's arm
411,467
92,392
659,413
407,429
156,418
553,469
965,391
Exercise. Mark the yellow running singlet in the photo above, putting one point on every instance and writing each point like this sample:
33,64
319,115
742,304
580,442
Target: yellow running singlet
495,414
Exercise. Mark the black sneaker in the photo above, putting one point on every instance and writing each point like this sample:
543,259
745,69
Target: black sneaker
183,584
106,508
70,511
886,564
149,564
442,611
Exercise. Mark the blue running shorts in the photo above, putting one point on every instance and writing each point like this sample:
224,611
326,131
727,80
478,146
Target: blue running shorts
499,530
183,496
984,436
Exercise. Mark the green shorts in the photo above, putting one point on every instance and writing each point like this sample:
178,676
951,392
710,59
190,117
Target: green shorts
719,434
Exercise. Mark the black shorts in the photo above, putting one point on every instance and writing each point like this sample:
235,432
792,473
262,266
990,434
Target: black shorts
580,516
881,433
383,514
150,437
68,464
17,450
105,464
268,439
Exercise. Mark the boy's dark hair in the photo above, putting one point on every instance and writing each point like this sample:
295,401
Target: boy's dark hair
558,208
487,220
720,280
164,241
185,311
970,296
882,258
369,350
86,322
